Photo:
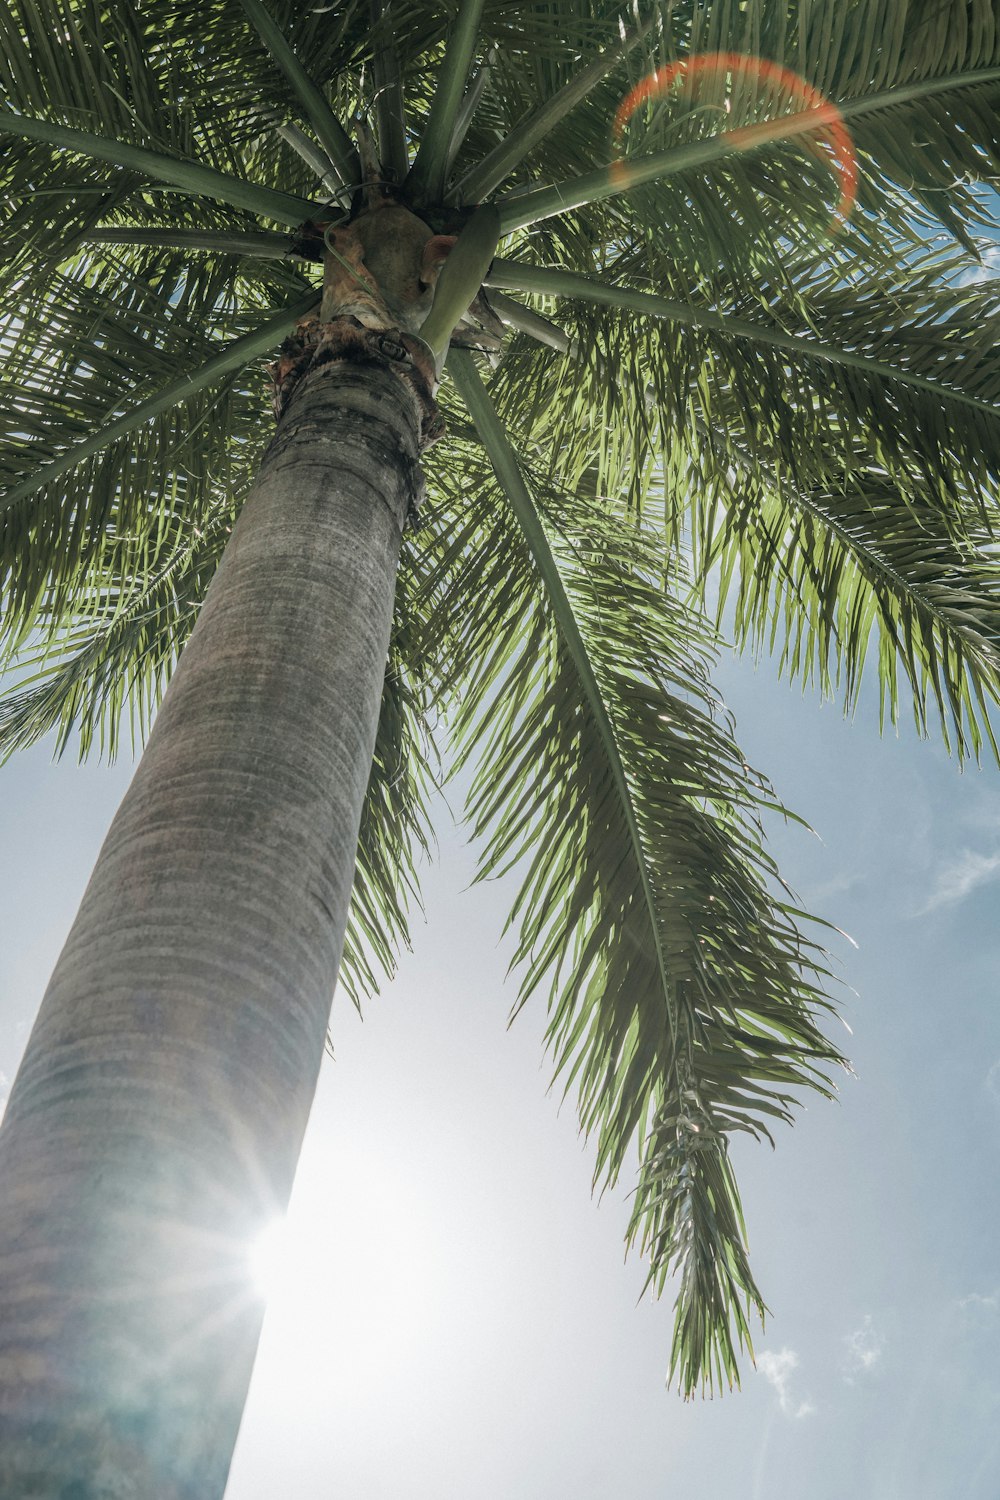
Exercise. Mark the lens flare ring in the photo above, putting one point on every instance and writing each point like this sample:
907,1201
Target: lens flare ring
819,115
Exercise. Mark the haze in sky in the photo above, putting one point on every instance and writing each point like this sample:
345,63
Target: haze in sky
457,1322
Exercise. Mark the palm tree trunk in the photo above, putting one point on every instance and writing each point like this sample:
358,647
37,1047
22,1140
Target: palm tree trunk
157,1118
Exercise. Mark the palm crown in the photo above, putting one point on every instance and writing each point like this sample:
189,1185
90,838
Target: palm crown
702,396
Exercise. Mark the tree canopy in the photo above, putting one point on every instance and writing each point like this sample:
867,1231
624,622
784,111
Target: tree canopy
699,396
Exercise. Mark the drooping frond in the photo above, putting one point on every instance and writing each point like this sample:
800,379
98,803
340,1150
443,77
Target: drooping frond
111,665
682,996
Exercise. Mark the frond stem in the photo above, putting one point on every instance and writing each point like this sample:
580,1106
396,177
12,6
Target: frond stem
390,118
503,458
469,105
318,160
529,322
478,183
259,246
552,281
425,183
191,176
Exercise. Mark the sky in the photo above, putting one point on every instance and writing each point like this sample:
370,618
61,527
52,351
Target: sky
456,1319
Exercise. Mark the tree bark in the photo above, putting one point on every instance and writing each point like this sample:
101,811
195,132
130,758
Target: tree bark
155,1124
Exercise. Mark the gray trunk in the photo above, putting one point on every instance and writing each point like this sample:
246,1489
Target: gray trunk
156,1121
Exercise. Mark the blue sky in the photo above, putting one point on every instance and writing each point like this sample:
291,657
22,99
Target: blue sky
457,1320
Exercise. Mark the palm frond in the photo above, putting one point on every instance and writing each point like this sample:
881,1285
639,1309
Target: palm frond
191,176
846,438
927,347
266,246
682,996
233,356
470,103
113,663
101,435
828,576
317,111
610,181
321,164
529,133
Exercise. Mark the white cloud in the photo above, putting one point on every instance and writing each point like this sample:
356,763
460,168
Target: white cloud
979,1304
776,1370
840,885
864,1349
959,877
993,1078
989,269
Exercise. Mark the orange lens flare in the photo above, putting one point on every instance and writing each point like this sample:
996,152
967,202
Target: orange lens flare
818,115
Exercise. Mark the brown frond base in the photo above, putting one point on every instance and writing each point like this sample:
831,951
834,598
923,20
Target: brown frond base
315,343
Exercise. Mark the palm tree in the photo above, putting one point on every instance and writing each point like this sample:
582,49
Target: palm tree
532,483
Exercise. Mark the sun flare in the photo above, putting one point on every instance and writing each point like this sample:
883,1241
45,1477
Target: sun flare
271,1258
818,115
359,1263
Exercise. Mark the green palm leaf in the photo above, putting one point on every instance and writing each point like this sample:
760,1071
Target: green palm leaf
531,208
645,910
191,177
328,128
755,413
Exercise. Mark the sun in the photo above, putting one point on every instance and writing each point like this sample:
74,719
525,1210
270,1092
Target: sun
358,1262
271,1258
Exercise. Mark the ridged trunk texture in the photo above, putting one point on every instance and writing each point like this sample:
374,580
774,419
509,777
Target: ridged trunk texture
156,1121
